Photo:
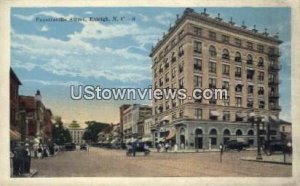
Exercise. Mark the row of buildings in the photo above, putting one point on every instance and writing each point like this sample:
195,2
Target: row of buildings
30,119
200,51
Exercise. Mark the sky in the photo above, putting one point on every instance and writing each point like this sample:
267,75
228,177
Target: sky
51,56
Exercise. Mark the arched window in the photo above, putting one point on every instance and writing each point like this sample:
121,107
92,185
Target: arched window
238,57
250,133
213,132
198,132
249,59
212,51
239,132
225,54
182,131
226,132
260,62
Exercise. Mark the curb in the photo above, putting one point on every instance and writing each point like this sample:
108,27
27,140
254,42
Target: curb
274,162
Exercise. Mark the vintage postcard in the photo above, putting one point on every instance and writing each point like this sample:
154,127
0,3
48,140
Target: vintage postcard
129,93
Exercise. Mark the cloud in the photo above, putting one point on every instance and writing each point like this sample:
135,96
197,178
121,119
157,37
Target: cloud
165,18
79,58
88,12
44,29
42,13
285,50
52,83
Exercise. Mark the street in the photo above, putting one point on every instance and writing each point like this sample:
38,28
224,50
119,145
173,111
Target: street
100,162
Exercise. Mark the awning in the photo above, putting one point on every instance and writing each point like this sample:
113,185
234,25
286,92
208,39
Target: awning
166,118
273,117
114,141
145,139
239,83
14,135
171,134
240,115
161,139
128,140
214,113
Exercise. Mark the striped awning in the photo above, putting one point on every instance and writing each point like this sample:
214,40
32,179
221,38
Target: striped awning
214,113
14,135
171,134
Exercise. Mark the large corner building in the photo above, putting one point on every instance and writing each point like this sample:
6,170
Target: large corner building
204,52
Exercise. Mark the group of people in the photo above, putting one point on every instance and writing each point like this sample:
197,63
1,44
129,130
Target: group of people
164,146
21,159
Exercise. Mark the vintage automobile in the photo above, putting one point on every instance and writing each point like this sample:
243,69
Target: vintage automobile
83,147
70,146
275,146
140,147
237,145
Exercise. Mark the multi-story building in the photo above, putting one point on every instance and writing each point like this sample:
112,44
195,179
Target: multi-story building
147,135
14,106
121,110
132,116
204,52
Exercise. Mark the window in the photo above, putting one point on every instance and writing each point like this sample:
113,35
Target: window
180,67
225,85
155,73
250,103
226,116
225,39
180,113
238,42
249,60
198,113
261,104
260,62
197,47
180,36
250,74
225,70
167,105
197,31
260,91
212,52
260,48
249,45
212,67
238,102
212,83
161,55
250,89
173,72
167,78
212,101
225,54
239,88
181,83
261,76
181,51
161,68
173,57
238,57
238,72
173,104
173,116
173,42
197,65
197,81
226,102
212,35
166,63
161,82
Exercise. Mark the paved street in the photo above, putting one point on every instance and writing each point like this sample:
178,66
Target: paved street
103,163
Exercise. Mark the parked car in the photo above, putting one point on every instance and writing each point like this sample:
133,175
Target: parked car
273,146
140,147
70,146
83,147
234,144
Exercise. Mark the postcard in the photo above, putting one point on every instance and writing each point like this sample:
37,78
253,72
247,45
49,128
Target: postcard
110,93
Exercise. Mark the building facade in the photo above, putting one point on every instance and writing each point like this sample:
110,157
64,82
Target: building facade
133,117
76,134
204,52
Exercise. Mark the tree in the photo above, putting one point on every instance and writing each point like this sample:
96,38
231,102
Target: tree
94,127
60,135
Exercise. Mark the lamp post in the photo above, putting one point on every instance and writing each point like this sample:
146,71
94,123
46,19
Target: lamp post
257,121
38,99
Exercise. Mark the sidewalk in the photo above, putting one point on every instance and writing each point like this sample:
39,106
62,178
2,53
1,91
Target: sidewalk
275,158
191,150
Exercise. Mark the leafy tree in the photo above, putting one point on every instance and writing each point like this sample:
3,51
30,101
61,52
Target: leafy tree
60,135
94,127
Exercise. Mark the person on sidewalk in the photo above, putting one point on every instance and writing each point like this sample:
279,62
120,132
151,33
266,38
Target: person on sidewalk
167,147
27,159
175,147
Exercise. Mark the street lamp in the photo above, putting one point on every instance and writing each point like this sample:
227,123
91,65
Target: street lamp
257,120
38,99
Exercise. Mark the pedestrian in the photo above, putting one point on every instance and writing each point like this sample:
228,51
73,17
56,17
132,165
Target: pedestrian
17,160
167,146
39,152
175,147
27,158
158,147
221,151
182,146
45,154
133,148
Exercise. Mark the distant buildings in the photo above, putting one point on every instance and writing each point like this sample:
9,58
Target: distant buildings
76,133
204,52
30,120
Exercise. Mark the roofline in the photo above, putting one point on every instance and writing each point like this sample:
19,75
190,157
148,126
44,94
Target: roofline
204,17
15,76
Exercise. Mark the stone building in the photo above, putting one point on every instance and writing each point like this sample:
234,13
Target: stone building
76,133
200,51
